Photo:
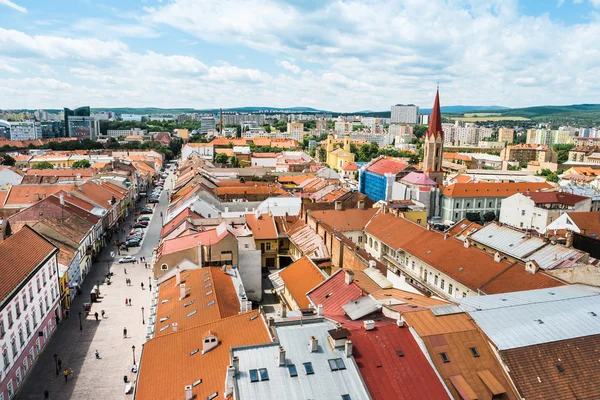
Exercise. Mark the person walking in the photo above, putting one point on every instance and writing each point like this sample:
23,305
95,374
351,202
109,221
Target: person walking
124,333
96,315
66,374
46,394
142,285
103,313
129,301
125,300
125,270
97,355
150,286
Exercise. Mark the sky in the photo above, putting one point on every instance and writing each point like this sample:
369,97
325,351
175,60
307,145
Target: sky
334,55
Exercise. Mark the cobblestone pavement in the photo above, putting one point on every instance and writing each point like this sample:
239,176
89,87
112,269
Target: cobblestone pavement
99,378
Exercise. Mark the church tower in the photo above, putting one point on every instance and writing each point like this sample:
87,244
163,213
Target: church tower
434,144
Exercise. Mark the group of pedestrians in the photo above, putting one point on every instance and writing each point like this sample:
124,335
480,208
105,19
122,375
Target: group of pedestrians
127,301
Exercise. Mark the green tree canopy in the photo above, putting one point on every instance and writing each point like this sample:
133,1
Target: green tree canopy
221,158
43,165
552,178
82,164
7,160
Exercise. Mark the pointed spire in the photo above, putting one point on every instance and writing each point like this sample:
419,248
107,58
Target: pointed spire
435,119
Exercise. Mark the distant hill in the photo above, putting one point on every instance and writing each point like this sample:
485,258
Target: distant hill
464,109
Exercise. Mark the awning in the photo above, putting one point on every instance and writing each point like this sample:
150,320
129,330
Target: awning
465,391
491,382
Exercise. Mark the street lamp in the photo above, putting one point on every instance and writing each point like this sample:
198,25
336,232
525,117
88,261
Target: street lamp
56,362
80,326
143,316
133,350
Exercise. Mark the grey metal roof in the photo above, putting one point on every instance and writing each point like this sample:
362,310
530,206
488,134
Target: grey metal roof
323,384
507,240
356,309
532,317
446,310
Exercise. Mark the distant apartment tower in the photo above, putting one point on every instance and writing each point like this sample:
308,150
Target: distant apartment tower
405,114
206,124
424,119
27,130
506,135
78,112
295,130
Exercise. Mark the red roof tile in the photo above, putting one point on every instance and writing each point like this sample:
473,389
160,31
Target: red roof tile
567,199
300,277
492,189
387,166
262,227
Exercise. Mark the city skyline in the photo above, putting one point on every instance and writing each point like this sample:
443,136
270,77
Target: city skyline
341,56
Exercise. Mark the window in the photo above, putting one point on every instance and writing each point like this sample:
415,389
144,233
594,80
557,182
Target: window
464,294
10,319
34,319
18,308
253,375
376,245
24,301
442,284
44,277
456,204
309,368
164,267
21,338
268,246
445,357
37,282
28,328
455,215
264,375
490,205
30,294
450,289
346,397
360,239
293,370
468,204
2,330
46,301
474,351
5,358
478,204
412,265
435,280
13,345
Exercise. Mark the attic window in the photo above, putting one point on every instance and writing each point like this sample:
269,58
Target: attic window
165,318
252,318
164,327
199,381
560,368
327,295
210,303
445,357
474,351
336,364
309,368
539,321
208,293
165,300
346,397
194,352
185,276
189,303
207,279
264,374
192,313
207,286
293,370
253,375
213,396
400,353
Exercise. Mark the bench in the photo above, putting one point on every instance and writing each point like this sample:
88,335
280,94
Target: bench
128,388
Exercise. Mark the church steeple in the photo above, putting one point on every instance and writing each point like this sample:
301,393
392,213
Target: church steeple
435,119
434,144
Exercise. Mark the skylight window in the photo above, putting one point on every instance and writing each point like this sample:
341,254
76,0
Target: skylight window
209,293
293,370
210,303
205,273
164,327
474,352
400,353
192,313
189,303
332,365
199,381
253,375
264,375
194,352
340,363
309,368
445,357
252,318
165,318
346,397
186,275
207,286
213,396
207,279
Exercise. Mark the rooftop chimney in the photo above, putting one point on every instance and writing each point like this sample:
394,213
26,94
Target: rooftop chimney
62,199
338,206
446,236
235,362
313,344
497,257
188,392
182,291
372,264
320,310
177,276
174,325
229,381
349,278
281,358
467,243
360,205
569,242
348,348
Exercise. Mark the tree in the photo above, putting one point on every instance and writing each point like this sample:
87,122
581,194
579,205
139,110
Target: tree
234,162
43,165
7,160
474,216
545,172
267,128
322,154
82,164
552,178
221,158
489,216
419,131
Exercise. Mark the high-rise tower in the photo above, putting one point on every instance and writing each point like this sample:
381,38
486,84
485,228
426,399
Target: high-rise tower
434,144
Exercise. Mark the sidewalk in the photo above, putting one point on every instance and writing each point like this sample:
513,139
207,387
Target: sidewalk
93,378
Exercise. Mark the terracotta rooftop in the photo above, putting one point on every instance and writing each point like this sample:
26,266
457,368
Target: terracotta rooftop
352,219
249,190
387,165
567,199
351,166
587,222
566,370
493,189
295,179
262,227
204,286
177,220
70,172
171,362
30,194
265,155
300,278
208,237
20,254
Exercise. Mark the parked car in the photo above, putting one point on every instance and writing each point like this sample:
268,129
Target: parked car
123,246
143,223
143,219
133,243
139,225
153,201
127,259
147,211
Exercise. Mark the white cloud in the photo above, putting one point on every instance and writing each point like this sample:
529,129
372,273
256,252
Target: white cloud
106,28
9,68
290,67
12,5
